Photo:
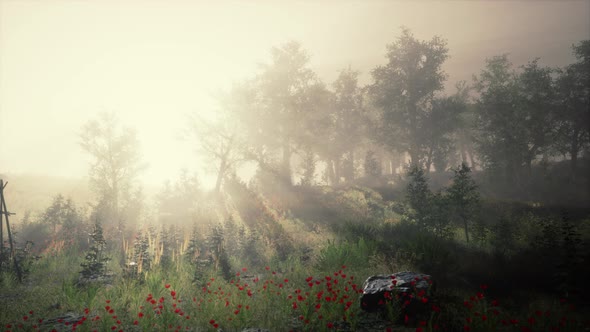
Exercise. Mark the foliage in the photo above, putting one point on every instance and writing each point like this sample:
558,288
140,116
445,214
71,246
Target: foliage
346,253
573,94
418,195
217,251
464,202
372,166
402,91
115,164
284,104
96,259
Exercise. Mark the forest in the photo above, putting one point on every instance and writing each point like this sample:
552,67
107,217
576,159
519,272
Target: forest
482,193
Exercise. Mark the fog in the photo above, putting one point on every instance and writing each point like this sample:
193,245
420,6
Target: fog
154,63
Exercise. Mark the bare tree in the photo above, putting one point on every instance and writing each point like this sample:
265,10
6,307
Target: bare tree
116,160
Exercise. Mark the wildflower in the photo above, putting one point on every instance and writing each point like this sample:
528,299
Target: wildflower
173,293
140,315
466,328
167,286
330,325
483,286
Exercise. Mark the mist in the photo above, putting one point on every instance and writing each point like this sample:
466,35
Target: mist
154,64
223,161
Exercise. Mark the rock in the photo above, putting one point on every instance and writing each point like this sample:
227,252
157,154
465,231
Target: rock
409,292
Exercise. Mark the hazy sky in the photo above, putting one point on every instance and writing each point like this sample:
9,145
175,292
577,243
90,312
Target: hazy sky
155,62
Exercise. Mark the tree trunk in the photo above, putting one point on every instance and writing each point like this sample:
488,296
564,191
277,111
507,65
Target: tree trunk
286,165
414,158
465,225
574,149
337,170
463,152
429,159
220,174
350,166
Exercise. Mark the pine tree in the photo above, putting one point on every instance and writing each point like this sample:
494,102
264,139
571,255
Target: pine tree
96,259
419,197
217,251
465,201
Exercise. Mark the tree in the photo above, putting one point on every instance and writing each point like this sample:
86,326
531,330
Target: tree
464,198
429,210
178,201
348,122
287,96
63,212
514,116
440,126
372,166
499,129
419,196
219,139
115,164
95,262
536,103
573,115
403,91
